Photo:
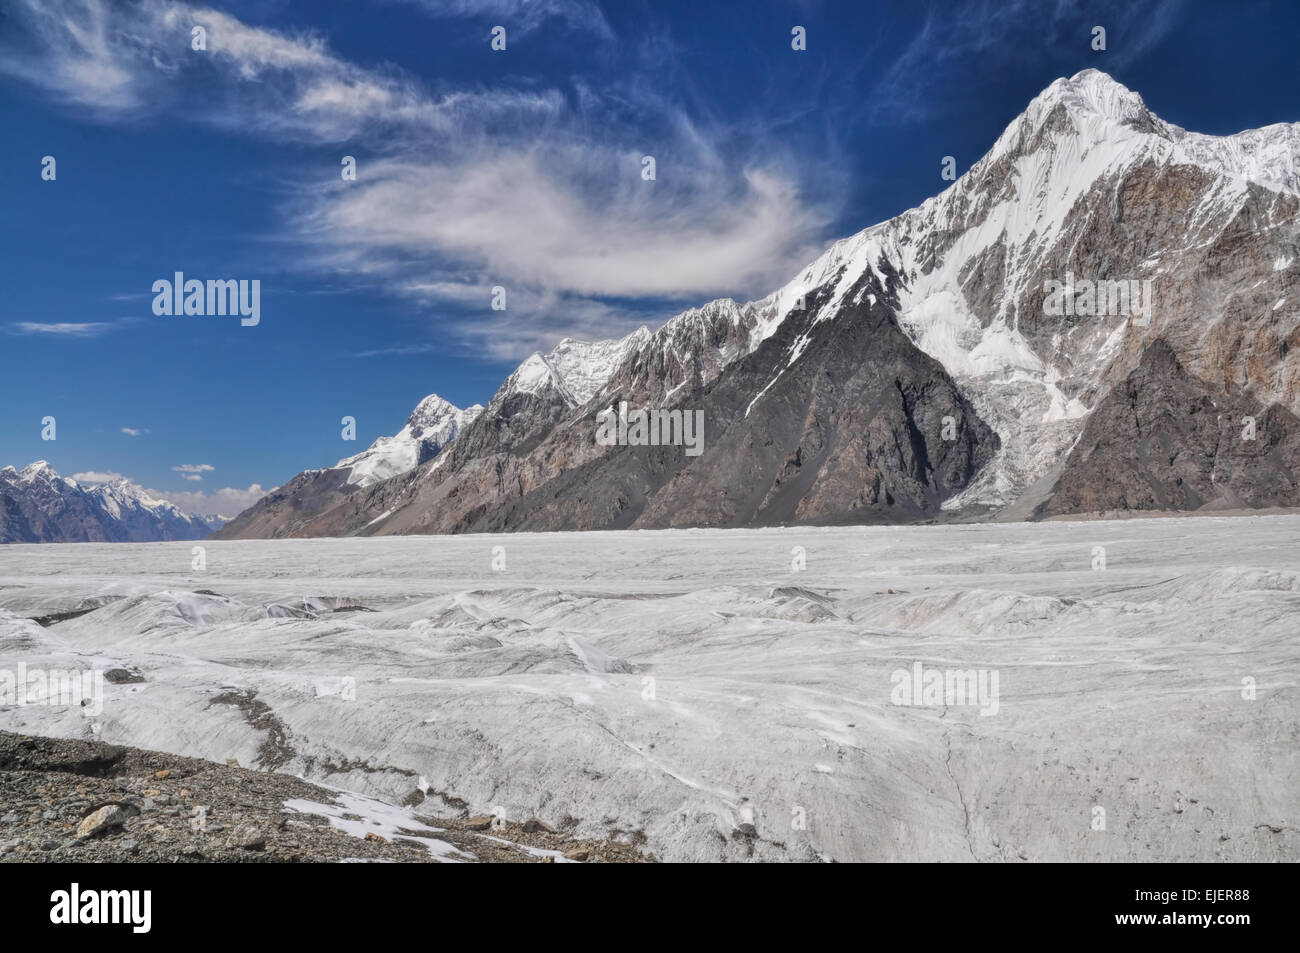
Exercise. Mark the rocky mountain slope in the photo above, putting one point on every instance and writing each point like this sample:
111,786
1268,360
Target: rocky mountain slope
944,364
541,391
838,436
432,426
39,506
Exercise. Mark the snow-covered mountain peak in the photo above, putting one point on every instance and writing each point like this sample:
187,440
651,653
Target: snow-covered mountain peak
119,496
575,369
1075,116
1078,128
433,424
584,366
718,307
1090,91
430,414
532,376
39,469
696,324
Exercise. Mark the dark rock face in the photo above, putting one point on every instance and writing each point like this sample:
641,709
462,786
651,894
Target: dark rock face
851,431
1160,440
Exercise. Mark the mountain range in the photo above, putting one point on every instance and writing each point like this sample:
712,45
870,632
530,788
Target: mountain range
39,506
1100,316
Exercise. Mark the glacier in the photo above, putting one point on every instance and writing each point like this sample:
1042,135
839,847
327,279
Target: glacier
724,694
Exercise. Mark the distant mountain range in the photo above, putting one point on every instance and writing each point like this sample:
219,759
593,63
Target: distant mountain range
39,506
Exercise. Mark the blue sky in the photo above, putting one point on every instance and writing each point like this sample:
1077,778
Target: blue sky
478,168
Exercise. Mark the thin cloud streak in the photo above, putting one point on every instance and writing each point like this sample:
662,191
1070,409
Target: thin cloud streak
89,329
523,16
400,351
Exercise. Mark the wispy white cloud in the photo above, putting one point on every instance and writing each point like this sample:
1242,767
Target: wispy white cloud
518,218
70,329
193,471
122,59
458,188
72,52
134,431
402,350
89,329
98,476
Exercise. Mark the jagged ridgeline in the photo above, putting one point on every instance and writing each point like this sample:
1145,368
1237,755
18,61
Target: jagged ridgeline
1099,316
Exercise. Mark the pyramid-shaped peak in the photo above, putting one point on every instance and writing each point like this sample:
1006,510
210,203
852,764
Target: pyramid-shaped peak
1091,91
434,404
431,411
1090,105
37,468
1095,78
